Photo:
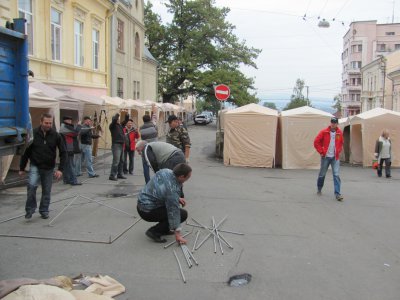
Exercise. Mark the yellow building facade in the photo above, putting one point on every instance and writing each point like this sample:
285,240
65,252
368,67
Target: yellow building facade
68,41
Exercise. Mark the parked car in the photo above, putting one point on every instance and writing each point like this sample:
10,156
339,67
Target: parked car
202,119
209,114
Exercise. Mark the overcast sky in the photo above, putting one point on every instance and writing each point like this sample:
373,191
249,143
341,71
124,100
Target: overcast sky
295,48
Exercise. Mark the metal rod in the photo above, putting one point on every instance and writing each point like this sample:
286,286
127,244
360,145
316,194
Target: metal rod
186,257
219,241
12,218
129,227
180,267
65,207
108,206
195,241
191,255
215,236
225,241
220,230
53,238
211,233
173,242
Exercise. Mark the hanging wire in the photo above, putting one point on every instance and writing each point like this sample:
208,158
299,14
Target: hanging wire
326,2
340,10
305,14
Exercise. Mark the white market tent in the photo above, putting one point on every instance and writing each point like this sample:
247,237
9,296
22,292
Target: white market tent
298,129
366,129
250,136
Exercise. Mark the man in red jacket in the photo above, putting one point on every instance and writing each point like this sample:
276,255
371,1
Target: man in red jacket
329,144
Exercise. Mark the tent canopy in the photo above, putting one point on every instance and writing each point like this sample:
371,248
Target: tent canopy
250,136
366,129
299,127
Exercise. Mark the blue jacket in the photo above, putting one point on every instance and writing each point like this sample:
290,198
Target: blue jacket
163,190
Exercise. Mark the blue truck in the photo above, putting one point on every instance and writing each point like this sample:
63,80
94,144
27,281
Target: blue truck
15,124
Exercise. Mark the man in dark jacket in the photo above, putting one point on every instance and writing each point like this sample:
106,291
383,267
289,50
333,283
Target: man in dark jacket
149,132
118,140
86,142
42,156
69,135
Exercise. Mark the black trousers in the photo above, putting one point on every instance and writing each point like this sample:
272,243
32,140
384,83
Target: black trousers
160,215
388,163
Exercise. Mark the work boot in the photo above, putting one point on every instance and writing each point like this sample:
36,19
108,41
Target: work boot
155,236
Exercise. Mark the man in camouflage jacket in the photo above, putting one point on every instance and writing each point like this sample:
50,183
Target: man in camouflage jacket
178,136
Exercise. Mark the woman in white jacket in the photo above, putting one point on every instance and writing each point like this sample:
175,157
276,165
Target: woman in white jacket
383,152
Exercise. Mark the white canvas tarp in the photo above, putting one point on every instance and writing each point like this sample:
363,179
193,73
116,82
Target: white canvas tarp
250,136
298,129
366,129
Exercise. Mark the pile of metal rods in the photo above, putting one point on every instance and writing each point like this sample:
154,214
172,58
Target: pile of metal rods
213,231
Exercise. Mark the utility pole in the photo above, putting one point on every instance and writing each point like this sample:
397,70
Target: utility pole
308,101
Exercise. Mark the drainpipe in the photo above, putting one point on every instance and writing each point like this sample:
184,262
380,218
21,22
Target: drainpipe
111,47
383,69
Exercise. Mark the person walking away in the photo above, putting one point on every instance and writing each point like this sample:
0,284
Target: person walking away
86,141
42,157
178,136
329,144
149,132
131,134
383,153
69,135
118,139
159,201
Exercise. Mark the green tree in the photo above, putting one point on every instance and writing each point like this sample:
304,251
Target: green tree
298,99
337,104
198,50
270,105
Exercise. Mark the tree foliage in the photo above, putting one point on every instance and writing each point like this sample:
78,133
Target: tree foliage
298,99
337,100
198,50
270,105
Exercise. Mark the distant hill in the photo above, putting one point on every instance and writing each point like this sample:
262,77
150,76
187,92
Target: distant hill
325,105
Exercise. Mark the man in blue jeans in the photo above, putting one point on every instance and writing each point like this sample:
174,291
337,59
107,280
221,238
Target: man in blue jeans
42,156
329,144
86,144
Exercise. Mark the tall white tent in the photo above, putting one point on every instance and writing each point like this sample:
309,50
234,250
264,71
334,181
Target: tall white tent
298,129
366,129
250,136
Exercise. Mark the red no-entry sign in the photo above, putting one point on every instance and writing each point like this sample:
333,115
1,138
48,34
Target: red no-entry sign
222,92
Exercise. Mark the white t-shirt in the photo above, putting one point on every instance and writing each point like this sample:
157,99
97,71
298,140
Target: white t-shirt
331,149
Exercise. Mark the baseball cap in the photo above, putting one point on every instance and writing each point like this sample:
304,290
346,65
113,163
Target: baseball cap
171,118
334,120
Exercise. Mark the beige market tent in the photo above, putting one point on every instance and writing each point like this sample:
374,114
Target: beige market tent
250,136
298,129
366,129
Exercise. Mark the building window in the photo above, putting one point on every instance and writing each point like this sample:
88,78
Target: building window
120,35
55,35
136,90
25,11
356,48
355,64
381,47
396,46
137,46
78,40
95,48
120,87
390,33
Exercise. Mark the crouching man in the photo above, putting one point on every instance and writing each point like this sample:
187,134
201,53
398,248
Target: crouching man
159,201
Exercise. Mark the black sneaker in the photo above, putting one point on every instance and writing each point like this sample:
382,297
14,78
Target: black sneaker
155,236
94,176
28,216
121,177
388,176
44,215
339,197
113,178
76,183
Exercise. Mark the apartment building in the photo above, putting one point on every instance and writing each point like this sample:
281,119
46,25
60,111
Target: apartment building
377,86
363,43
133,68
